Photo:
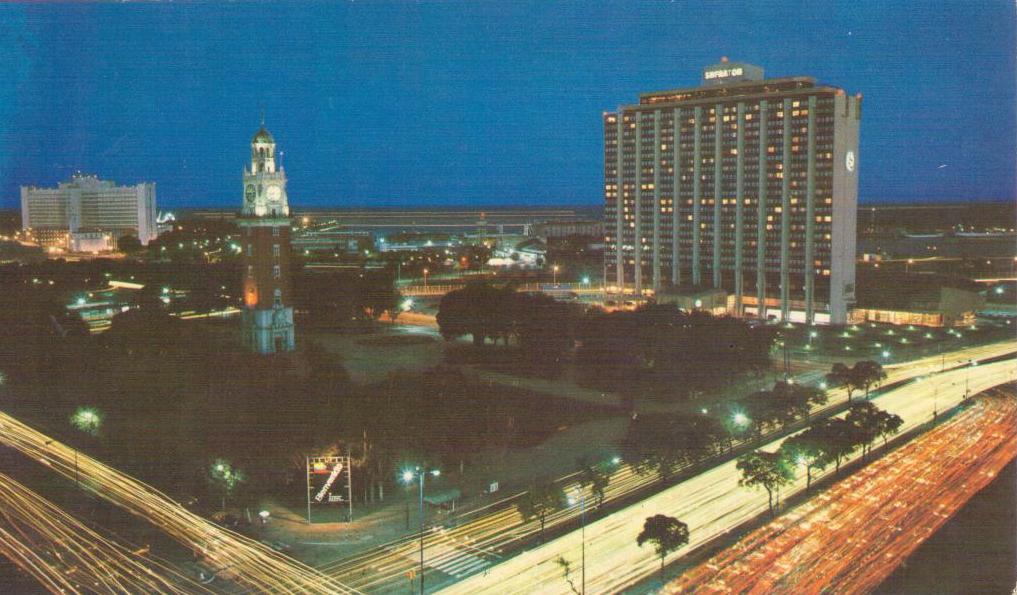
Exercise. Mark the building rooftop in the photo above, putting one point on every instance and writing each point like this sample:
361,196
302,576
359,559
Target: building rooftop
731,79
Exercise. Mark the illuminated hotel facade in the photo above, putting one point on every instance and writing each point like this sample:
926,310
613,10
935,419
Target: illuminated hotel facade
744,184
88,206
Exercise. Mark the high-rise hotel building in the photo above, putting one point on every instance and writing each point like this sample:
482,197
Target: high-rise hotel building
88,205
744,184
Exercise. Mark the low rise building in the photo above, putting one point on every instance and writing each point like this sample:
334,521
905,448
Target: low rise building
918,299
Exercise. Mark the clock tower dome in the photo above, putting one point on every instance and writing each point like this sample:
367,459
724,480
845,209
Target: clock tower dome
265,239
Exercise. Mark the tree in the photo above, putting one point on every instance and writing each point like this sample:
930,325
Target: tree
768,470
839,437
540,500
799,399
566,568
667,534
128,244
840,375
544,327
868,374
480,310
664,443
594,476
888,425
809,450
865,417
225,478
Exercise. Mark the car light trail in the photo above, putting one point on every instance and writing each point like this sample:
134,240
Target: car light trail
853,536
711,503
498,528
233,556
65,556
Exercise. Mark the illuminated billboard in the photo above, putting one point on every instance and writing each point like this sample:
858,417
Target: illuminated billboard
329,483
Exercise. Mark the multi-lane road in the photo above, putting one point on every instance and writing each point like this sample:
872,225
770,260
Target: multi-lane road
232,556
65,556
473,550
855,534
484,536
711,503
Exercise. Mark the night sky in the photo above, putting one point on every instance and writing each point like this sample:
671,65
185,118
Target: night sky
488,103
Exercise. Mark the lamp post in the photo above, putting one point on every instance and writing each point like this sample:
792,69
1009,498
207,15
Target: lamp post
740,422
408,476
87,420
582,517
554,275
425,277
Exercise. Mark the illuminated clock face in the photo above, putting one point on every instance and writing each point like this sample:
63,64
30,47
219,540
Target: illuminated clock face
249,193
274,193
849,161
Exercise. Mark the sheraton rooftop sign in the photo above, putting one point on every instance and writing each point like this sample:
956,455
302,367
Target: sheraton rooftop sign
727,72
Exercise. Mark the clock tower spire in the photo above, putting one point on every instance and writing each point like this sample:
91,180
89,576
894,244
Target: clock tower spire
265,223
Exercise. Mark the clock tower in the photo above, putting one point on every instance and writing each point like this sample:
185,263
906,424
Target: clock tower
265,225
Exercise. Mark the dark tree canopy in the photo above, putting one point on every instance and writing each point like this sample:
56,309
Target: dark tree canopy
480,310
768,470
667,534
663,443
541,499
665,342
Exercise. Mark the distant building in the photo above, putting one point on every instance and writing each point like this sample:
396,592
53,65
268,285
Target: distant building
90,241
560,230
918,299
518,252
745,184
88,204
265,223
334,240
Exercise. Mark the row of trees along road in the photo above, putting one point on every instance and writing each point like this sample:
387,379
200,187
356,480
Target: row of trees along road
862,376
824,443
664,443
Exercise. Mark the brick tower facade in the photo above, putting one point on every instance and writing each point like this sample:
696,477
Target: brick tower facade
265,225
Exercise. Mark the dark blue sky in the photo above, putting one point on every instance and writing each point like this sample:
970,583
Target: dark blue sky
482,103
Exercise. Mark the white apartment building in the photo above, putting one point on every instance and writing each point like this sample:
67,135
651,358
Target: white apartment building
88,204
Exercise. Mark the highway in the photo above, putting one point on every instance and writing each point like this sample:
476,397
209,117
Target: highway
484,536
65,556
476,545
851,537
711,503
233,556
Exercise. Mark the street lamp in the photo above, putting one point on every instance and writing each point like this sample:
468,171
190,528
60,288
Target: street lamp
425,277
582,515
88,420
409,476
554,271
